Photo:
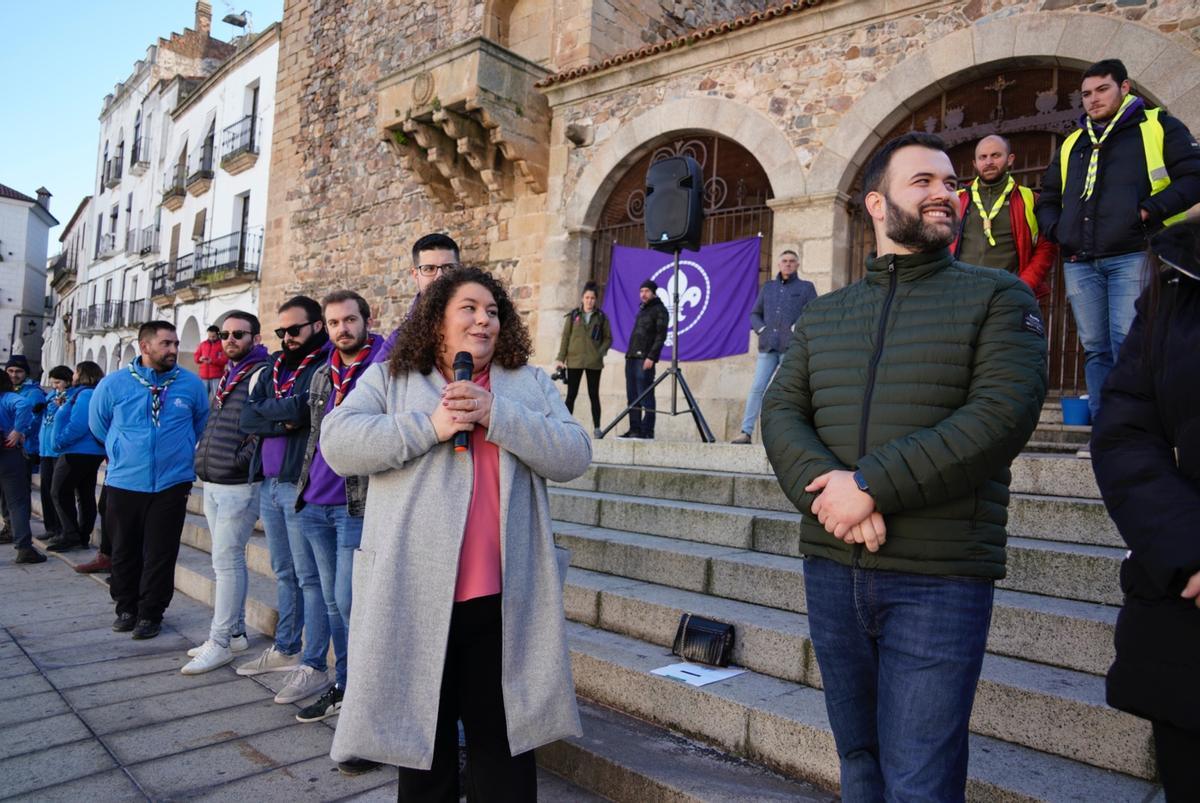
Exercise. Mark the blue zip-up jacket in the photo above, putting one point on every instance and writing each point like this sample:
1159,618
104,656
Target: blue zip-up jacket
72,434
32,393
49,417
142,457
780,302
15,414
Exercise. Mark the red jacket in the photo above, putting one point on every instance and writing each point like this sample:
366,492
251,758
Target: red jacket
217,359
1035,255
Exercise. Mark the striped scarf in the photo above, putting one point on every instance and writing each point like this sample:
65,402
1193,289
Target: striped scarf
1089,183
157,392
227,383
285,388
341,376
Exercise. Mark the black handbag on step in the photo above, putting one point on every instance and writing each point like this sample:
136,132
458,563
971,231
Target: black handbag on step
703,641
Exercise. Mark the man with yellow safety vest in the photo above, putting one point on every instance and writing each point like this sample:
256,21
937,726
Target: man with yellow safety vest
1126,172
997,227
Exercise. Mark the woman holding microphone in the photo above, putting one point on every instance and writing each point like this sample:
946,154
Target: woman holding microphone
458,584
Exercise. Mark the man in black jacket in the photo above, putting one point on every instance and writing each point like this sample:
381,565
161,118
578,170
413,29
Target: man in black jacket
1125,173
231,491
645,345
278,412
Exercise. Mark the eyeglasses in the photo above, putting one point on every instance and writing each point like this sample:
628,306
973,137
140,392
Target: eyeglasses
292,331
433,270
236,334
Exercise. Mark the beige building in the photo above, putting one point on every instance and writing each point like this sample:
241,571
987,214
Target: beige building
524,127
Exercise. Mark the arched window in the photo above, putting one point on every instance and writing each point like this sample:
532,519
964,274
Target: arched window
736,191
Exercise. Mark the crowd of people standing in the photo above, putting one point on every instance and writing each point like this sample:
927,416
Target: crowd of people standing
890,410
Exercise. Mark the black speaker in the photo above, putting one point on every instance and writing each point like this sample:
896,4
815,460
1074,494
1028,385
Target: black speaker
674,204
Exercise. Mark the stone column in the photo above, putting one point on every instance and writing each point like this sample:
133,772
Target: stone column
817,228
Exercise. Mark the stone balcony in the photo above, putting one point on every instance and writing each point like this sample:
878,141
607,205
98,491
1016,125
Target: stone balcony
469,123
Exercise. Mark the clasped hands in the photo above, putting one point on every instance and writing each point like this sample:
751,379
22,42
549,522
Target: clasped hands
464,404
845,511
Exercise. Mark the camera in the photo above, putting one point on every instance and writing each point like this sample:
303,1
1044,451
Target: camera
559,375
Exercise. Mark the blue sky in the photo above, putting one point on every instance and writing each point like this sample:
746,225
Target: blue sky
59,59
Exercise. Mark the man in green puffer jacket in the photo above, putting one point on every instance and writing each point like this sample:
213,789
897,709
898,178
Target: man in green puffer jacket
891,425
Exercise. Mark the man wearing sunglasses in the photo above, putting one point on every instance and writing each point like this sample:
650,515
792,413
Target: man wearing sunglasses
277,412
231,491
432,255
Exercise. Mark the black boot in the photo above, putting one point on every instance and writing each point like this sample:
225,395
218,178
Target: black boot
29,555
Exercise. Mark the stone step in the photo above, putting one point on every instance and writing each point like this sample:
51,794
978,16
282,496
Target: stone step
1057,517
626,759
784,726
1071,571
1063,633
1044,708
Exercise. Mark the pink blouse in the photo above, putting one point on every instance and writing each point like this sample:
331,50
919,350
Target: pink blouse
479,561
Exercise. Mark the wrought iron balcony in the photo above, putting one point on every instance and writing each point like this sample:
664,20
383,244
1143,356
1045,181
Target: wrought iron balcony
90,319
241,137
131,241
112,172
138,312
200,172
183,272
139,157
148,240
236,255
111,313
161,282
108,245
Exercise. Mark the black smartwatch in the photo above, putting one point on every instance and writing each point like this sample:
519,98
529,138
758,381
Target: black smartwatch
861,482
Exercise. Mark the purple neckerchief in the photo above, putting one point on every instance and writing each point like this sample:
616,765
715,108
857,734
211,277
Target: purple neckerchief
1133,108
390,343
257,354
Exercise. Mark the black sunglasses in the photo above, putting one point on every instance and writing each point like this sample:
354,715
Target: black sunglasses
236,334
292,331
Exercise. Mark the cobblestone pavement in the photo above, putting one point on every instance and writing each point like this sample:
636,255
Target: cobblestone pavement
94,715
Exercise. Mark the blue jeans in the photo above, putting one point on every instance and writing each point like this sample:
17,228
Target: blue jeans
1102,293
764,369
637,379
316,556
14,492
900,655
279,517
231,511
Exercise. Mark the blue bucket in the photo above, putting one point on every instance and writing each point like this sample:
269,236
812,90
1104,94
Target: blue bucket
1075,412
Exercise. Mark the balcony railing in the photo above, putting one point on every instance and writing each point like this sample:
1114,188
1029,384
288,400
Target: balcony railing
241,137
226,257
90,319
201,164
141,151
185,272
111,314
131,241
108,245
161,283
174,180
138,312
112,172
148,240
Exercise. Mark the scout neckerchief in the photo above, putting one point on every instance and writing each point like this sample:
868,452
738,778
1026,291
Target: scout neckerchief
342,375
988,217
1089,183
157,392
285,389
227,383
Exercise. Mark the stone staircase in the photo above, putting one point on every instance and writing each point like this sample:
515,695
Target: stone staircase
657,529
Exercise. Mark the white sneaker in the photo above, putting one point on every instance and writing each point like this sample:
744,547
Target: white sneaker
271,660
304,681
1085,453
211,656
236,644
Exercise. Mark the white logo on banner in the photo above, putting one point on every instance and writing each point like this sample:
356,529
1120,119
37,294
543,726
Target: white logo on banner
693,292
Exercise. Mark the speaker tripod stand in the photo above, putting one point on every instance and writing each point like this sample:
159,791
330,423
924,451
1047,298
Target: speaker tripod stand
678,382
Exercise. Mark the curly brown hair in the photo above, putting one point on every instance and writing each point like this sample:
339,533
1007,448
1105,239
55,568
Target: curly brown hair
420,339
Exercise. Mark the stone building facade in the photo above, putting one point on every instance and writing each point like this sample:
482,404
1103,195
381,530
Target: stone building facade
518,127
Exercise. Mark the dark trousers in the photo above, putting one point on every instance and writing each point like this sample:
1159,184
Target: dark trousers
14,492
105,529
637,379
471,692
1178,754
593,387
74,492
45,485
146,528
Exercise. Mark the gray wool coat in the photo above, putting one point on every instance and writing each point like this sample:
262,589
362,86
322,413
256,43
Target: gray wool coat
405,570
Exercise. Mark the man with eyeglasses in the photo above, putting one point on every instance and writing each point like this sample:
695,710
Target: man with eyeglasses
277,412
231,491
432,255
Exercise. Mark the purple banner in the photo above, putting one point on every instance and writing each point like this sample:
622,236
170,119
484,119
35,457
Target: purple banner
717,288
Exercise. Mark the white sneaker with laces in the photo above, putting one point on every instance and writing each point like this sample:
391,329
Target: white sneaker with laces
211,656
304,681
236,644
271,660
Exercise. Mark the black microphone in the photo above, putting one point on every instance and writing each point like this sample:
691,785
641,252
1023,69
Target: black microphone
463,366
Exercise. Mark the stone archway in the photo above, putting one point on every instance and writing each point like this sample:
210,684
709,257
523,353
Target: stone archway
128,355
1162,67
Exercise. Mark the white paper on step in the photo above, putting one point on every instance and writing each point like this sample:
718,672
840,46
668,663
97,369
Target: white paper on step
695,674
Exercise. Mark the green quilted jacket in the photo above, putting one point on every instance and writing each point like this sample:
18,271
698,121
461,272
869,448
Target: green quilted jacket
928,376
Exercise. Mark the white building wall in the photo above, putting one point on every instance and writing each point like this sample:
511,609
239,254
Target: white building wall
24,230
